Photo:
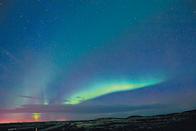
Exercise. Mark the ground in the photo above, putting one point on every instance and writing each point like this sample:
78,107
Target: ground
184,121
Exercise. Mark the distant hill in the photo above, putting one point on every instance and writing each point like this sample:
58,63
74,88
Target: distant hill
185,121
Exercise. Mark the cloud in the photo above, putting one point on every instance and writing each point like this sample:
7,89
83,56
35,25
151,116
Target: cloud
79,109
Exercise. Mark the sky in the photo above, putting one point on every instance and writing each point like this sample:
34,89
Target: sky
86,59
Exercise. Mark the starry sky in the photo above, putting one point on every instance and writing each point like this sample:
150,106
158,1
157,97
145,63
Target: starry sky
85,59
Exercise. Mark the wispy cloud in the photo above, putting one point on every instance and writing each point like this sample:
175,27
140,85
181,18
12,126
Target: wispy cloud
79,109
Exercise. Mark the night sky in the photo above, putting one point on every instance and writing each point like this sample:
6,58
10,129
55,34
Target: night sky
85,59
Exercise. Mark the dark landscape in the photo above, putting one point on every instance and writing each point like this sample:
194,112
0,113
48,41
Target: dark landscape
185,121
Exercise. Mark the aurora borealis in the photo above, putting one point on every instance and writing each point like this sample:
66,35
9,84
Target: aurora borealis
84,59
93,92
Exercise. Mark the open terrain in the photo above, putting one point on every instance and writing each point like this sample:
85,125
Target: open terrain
185,121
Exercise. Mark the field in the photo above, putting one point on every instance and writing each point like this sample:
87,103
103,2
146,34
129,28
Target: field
185,121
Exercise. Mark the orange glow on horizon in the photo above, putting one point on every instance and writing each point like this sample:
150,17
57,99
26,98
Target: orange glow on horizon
31,117
2,121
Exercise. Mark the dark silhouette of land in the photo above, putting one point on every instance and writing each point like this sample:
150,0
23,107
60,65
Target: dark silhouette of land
185,121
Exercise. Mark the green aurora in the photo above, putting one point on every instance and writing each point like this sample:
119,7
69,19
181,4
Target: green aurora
105,88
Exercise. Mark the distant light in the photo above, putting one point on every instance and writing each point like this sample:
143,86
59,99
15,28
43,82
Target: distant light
45,102
36,116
